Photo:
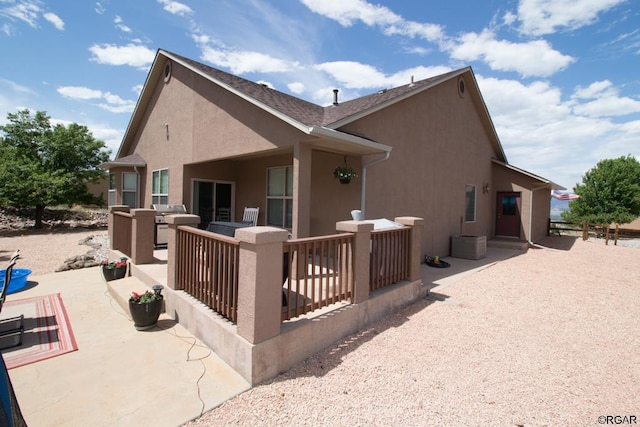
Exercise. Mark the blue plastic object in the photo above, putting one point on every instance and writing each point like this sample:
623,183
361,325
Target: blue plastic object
18,279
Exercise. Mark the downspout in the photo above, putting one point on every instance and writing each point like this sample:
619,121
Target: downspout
531,216
363,194
135,168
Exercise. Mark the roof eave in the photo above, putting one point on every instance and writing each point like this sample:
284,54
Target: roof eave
352,143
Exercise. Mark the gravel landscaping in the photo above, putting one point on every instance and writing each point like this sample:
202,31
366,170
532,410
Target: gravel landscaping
550,337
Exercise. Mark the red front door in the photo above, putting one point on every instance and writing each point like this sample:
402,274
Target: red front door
508,214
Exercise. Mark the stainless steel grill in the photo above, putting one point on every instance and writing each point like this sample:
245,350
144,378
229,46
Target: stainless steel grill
160,235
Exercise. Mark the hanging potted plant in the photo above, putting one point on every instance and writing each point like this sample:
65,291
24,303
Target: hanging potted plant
344,173
145,308
113,270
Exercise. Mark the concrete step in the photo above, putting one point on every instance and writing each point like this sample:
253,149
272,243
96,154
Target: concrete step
521,245
121,290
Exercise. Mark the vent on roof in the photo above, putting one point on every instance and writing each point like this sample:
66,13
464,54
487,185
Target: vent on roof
411,84
167,71
381,91
461,87
335,97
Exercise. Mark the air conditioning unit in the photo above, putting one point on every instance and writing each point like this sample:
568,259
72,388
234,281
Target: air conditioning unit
468,246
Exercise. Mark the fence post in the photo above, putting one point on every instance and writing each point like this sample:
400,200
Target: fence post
142,230
172,242
585,230
361,256
113,234
415,250
260,282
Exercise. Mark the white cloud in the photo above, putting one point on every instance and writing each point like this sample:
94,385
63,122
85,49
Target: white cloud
543,131
26,11
79,92
604,101
55,20
240,62
15,87
100,9
533,58
355,75
114,103
296,87
539,17
120,25
347,12
131,54
175,7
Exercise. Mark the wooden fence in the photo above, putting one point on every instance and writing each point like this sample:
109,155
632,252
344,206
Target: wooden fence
207,269
317,272
587,229
389,257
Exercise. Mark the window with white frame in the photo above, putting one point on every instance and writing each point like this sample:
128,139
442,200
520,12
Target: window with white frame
470,203
280,196
160,187
130,189
112,189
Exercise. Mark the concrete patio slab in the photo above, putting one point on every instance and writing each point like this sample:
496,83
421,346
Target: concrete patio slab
118,376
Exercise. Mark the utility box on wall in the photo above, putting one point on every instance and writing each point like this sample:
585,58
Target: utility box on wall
468,246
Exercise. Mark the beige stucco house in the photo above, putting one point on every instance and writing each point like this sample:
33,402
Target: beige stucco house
215,142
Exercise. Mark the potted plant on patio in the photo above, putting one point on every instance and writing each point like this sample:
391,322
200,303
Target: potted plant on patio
113,270
344,173
145,308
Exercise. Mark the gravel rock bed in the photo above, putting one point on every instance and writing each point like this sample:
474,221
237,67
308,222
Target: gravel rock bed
48,251
550,337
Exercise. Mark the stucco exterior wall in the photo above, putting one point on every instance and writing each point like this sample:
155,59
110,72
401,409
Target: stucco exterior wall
331,201
189,120
535,198
439,146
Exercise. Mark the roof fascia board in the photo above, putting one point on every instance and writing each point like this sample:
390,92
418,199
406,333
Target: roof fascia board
276,113
487,115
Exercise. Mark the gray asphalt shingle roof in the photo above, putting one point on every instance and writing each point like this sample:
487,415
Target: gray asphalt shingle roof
305,112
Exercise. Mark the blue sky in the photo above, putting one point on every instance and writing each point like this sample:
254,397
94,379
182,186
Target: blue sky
560,77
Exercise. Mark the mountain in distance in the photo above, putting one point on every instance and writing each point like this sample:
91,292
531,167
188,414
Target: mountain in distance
557,207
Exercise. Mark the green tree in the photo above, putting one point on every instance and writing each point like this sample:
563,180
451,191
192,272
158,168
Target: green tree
43,165
609,193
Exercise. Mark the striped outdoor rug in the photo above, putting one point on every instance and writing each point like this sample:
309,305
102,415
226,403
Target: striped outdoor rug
47,330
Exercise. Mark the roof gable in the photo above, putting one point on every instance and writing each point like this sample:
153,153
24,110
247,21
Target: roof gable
308,117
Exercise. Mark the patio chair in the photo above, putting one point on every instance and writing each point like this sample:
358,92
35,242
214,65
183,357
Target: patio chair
11,329
250,216
224,214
